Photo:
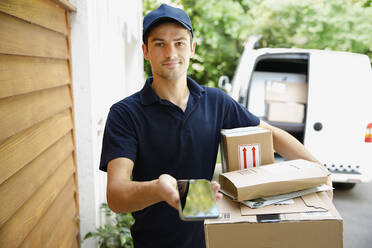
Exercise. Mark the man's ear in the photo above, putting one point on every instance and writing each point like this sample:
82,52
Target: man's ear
193,46
145,51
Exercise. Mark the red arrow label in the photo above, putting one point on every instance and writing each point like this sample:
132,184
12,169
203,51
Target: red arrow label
245,157
254,156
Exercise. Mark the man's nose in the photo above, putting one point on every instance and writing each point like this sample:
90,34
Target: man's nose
170,52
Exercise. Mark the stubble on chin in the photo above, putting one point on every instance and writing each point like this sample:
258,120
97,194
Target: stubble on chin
172,75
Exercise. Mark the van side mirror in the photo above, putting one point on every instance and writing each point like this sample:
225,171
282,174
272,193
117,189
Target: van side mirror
224,83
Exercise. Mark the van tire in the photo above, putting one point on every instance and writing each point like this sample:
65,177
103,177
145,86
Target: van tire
344,186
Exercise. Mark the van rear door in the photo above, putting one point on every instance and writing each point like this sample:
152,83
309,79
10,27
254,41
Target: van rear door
338,111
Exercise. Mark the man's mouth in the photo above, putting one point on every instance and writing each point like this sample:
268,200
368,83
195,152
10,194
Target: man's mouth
171,63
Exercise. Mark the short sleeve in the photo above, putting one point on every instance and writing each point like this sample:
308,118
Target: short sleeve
119,139
238,116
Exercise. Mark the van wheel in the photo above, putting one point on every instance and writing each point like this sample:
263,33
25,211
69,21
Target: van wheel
344,186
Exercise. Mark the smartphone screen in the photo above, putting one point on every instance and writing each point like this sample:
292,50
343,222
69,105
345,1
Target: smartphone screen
197,200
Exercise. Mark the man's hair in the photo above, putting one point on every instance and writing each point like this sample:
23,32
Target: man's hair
147,34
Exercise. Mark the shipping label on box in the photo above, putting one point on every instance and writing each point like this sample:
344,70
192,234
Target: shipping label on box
286,91
249,155
273,179
247,147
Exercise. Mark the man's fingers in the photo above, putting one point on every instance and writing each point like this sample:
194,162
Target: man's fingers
216,187
168,190
173,199
330,194
218,196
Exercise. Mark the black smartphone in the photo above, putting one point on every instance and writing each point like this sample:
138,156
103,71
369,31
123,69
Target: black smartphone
197,200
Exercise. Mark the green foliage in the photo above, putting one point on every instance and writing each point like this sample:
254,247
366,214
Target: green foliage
116,234
222,26
219,38
336,25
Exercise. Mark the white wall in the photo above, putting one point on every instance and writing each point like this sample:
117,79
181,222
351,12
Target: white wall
107,65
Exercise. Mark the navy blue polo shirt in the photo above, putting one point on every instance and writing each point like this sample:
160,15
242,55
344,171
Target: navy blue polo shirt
160,138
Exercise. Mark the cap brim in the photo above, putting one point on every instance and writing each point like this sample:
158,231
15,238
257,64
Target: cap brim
163,18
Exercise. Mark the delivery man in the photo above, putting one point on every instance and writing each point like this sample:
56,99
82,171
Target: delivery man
170,130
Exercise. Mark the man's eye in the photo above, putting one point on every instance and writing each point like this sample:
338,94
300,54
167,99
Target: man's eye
180,43
159,44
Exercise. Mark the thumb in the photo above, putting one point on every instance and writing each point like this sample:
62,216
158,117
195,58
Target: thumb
168,190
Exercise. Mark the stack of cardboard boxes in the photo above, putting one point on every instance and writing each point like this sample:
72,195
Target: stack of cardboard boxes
308,221
285,101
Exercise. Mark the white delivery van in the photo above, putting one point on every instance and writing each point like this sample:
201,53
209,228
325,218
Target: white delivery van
334,122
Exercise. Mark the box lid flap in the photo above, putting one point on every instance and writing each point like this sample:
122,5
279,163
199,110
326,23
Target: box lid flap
243,131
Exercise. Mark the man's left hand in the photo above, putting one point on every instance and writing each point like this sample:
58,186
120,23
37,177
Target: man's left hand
216,187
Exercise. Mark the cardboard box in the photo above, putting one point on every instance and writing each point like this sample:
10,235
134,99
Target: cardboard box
320,229
274,179
286,91
245,148
285,112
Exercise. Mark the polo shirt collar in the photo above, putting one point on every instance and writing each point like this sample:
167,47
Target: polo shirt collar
148,95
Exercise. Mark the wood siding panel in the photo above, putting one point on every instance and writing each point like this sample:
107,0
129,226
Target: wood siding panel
62,209
67,239
20,74
21,38
21,224
14,195
65,4
24,111
67,231
42,12
38,185
22,148
70,240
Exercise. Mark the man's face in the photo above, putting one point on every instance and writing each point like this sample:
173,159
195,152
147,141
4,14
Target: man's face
169,51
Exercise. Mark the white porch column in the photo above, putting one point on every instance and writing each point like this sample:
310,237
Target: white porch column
107,65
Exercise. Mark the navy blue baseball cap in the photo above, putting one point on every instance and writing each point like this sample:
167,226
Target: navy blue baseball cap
165,12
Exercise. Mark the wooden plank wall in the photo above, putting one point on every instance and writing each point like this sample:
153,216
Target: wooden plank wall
38,183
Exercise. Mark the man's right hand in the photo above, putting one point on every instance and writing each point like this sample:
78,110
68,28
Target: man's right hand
125,195
168,190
